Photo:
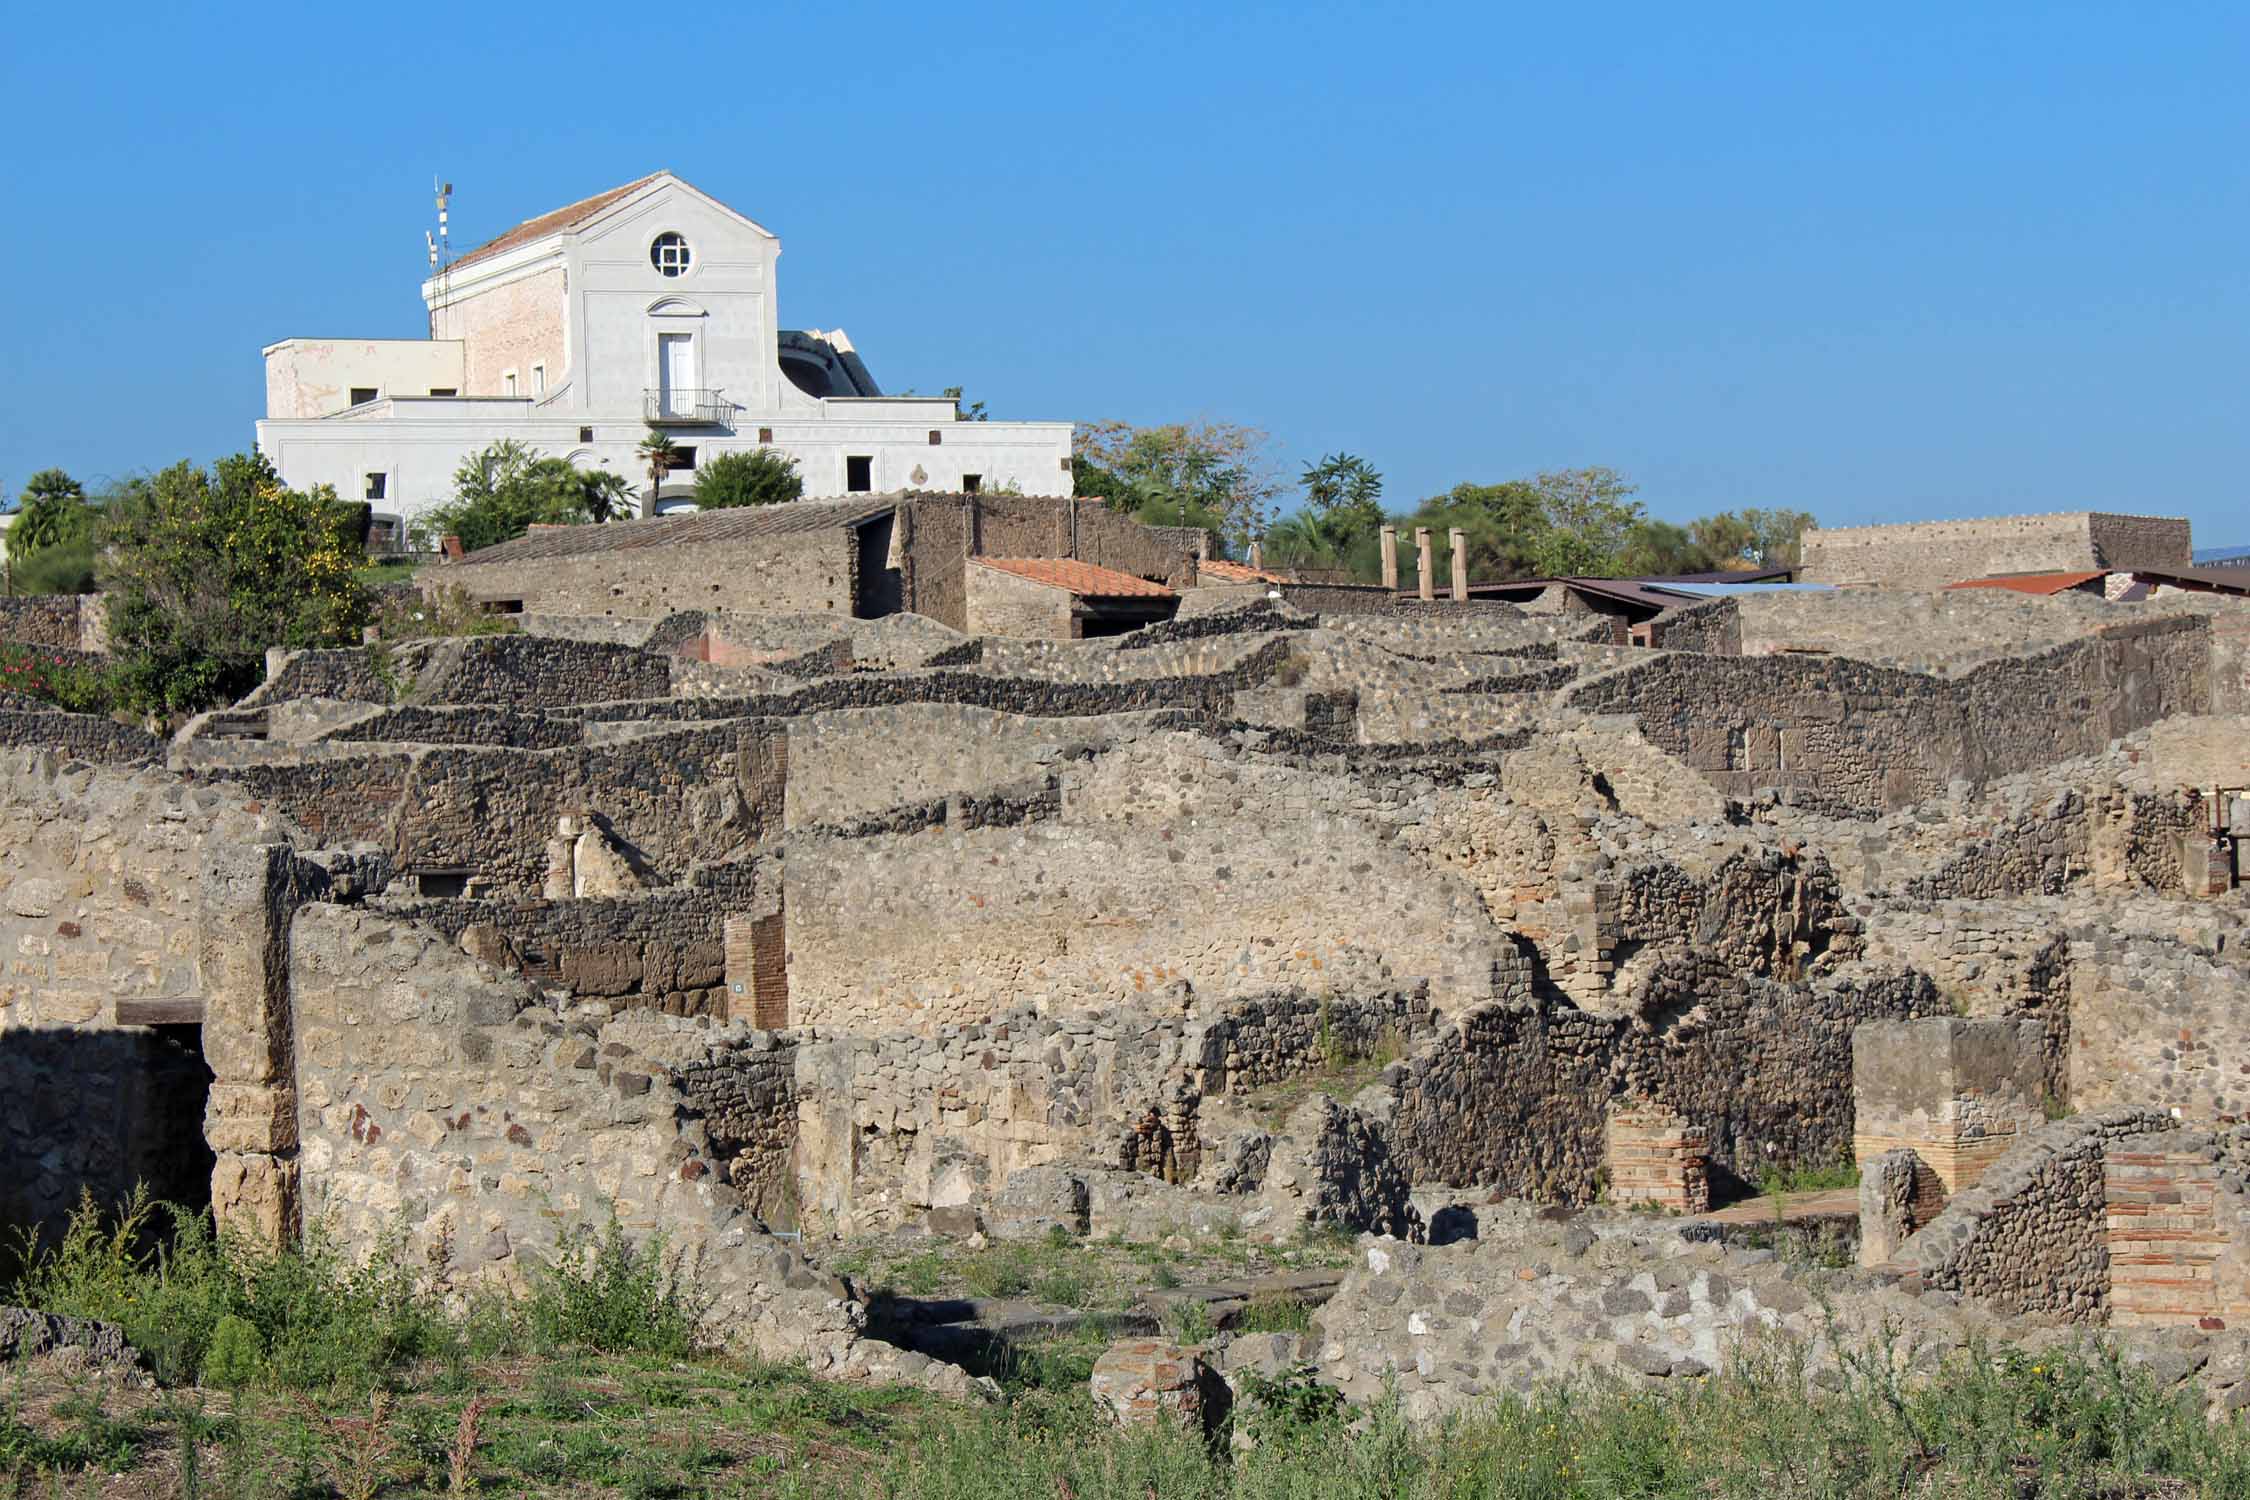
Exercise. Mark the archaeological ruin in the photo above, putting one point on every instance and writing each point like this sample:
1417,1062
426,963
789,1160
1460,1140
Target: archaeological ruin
775,932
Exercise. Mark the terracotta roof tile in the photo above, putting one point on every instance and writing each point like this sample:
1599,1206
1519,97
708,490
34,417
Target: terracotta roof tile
550,223
1234,572
2031,583
697,528
1083,579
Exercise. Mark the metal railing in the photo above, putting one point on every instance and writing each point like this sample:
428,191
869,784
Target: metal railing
686,404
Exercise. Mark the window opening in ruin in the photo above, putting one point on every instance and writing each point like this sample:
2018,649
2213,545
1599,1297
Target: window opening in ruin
669,254
585,434
376,483
1738,749
1781,750
859,473
972,484
362,394
503,606
441,884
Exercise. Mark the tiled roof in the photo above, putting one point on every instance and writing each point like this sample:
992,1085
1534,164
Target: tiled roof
1082,579
2031,583
698,528
1234,572
550,223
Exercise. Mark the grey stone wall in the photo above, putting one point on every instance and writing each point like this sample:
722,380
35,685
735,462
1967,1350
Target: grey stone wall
85,737
41,620
1516,1096
804,571
2029,1237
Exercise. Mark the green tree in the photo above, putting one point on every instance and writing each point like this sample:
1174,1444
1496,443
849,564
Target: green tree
758,476
661,458
970,411
1589,514
1343,511
52,511
1659,549
502,490
1216,469
206,569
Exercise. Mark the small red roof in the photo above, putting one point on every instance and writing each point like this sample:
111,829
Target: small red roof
550,223
1083,579
2031,583
1234,572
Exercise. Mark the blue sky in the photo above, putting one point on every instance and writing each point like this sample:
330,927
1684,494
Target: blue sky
1909,261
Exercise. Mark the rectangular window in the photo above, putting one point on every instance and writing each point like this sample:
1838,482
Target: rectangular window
376,484
508,383
936,437
765,434
445,390
585,434
859,473
683,457
362,394
539,380
972,484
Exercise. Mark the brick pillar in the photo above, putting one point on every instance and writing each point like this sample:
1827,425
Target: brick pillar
1390,558
1422,551
246,899
1457,541
2172,1261
1257,556
1957,1093
1657,1157
757,954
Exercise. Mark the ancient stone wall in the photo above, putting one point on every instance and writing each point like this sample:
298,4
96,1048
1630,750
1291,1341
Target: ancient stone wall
787,571
1932,554
2176,1229
2030,1237
2157,1022
892,1124
1517,1096
100,875
694,793
350,675
522,671
1713,628
86,737
41,620
1878,737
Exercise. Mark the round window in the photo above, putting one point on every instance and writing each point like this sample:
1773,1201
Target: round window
669,254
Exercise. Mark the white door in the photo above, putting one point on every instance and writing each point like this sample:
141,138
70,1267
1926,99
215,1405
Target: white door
675,360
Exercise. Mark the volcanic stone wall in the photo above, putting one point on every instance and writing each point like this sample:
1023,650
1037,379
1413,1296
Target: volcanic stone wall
42,620
1883,738
86,737
1517,1096
1931,554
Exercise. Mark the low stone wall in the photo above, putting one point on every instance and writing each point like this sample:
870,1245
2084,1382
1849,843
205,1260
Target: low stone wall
1713,627
2030,1237
86,737
521,671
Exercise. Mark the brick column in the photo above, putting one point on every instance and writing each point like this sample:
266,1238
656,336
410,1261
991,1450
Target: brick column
1422,549
2172,1261
1457,541
757,955
1657,1157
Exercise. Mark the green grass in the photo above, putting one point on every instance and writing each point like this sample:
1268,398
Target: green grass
375,575
1820,1179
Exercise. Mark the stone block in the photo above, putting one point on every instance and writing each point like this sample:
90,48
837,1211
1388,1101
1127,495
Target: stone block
1036,1200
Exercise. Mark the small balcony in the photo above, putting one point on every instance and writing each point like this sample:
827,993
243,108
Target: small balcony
686,406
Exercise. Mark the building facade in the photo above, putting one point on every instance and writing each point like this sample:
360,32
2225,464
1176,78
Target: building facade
651,305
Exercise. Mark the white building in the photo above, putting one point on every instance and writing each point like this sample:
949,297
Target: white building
652,304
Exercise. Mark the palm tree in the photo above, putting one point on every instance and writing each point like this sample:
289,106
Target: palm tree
657,452
604,495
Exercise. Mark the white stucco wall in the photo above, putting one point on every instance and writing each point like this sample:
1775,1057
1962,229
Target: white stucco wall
589,305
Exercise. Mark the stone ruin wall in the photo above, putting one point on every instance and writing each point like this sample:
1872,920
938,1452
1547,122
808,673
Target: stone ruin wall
1932,554
1881,738
100,872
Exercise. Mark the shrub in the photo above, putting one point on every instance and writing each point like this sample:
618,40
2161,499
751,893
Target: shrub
444,611
66,567
237,1355
604,1292
758,476
74,686
1276,1312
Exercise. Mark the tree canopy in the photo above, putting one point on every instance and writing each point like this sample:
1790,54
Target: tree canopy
207,569
52,512
1216,471
502,490
758,476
